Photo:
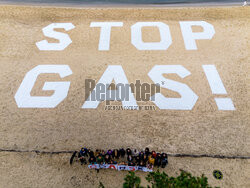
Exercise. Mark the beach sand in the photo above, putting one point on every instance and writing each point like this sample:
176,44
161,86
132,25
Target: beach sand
45,170
202,130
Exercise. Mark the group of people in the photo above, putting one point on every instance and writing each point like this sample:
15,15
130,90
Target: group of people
130,157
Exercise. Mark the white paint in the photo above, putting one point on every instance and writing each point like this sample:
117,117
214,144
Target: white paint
25,100
104,41
116,73
136,36
217,87
214,79
188,97
64,39
224,104
189,36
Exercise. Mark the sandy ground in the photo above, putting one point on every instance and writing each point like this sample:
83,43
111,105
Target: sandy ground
203,130
42,170
121,5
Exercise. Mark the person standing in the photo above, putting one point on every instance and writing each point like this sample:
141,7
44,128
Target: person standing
147,152
145,159
154,154
135,152
92,160
109,152
128,151
82,155
122,152
91,153
137,160
164,161
116,154
100,159
158,160
151,160
107,159
130,158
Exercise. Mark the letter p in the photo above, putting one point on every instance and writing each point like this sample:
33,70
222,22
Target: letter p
189,36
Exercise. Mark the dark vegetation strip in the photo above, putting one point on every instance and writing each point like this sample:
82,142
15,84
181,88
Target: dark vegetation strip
171,155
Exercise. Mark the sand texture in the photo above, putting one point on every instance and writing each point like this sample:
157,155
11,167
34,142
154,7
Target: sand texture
202,130
32,170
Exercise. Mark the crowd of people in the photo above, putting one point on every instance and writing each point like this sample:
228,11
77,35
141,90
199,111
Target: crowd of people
129,157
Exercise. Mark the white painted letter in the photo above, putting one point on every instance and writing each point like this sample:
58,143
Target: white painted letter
116,73
217,87
189,37
25,100
104,41
136,36
63,38
188,97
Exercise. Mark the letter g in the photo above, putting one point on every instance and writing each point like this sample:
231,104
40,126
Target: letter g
25,100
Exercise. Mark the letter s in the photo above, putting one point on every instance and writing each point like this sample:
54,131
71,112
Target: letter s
25,100
63,38
188,97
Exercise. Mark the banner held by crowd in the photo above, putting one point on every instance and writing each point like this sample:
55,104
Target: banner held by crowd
121,159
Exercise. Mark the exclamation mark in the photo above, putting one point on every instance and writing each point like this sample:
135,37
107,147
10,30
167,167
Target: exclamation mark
217,87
